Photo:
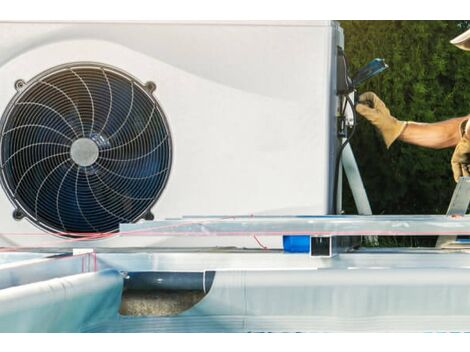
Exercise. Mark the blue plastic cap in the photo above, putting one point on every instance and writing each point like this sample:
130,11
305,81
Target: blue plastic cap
296,244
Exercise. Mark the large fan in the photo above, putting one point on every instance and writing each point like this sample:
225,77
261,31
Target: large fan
84,148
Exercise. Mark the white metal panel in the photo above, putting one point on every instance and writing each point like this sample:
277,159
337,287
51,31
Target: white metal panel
249,105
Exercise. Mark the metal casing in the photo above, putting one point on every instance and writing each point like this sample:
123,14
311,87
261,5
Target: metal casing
250,105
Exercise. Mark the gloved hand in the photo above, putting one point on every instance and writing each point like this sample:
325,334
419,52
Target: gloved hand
373,109
460,161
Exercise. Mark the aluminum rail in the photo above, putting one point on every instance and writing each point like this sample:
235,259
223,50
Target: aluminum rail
337,225
247,232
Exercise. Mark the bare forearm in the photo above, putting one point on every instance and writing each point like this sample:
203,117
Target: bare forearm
443,134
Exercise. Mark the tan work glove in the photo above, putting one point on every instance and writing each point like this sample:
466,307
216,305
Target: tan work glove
460,160
373,109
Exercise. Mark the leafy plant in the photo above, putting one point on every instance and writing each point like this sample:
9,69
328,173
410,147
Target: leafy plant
428,81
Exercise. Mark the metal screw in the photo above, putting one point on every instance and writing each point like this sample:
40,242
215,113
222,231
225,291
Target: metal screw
150,86
19,84
149,216
18,214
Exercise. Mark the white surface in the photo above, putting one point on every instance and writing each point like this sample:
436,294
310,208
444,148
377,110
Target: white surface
408,290
249,105
51,305
332,300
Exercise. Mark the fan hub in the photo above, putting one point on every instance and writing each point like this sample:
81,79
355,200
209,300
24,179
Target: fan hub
84,152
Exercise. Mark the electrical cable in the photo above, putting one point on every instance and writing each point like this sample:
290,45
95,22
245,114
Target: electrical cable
341,149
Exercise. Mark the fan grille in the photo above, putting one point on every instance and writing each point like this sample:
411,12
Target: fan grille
84,148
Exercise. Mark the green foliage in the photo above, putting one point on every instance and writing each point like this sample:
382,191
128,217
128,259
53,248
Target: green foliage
428,81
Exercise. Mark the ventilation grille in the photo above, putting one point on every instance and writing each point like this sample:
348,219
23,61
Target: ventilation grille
84,148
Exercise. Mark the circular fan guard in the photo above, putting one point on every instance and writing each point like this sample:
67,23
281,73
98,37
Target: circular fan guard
84,148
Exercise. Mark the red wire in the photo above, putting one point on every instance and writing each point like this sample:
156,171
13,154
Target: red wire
261,245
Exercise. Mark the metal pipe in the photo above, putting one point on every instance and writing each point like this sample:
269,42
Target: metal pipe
169,281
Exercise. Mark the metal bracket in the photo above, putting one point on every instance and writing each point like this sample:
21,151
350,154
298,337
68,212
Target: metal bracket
461,198
331,245
342,127
357,188
323,246
458,206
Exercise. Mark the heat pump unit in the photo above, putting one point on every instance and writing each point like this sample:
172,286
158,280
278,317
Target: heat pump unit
111,123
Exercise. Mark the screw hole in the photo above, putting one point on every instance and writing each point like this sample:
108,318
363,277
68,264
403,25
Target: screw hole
150,86
19,84
18,214
149,216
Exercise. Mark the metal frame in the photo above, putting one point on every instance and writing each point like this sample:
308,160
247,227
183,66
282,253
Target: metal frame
458,207
241,232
